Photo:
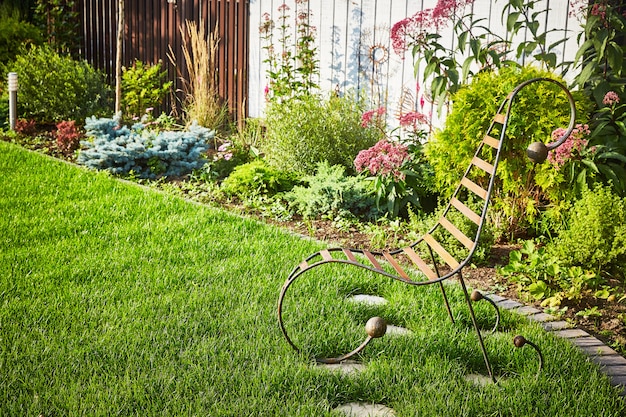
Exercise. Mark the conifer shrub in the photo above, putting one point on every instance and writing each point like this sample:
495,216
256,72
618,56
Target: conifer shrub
148,154
330,192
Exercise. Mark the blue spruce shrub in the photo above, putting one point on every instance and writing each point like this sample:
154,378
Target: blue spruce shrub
148,154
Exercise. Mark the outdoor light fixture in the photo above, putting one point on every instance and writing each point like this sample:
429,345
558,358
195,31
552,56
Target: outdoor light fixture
171,1
12,99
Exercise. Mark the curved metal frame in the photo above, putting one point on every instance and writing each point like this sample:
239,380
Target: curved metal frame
327,257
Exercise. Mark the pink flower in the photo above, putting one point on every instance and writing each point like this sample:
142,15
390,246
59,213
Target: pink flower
411,29
372,116
611,98
573,146
412,119
385,159
283,7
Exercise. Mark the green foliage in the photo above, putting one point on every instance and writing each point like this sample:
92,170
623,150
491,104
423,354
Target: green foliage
143,152
60,21
54,87
601,55
302,132
544,277
521,187
438,65
293,68
143,87
258,178
14,33
595,235
330,192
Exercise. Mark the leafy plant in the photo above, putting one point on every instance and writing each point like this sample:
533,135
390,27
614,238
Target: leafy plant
595,235
330,192
522,188
67,137
145,153
60,21
143,88
438,65
545,277
14,31
292,63
305,131
55,87
258,178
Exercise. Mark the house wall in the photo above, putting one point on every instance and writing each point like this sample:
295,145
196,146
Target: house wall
347,30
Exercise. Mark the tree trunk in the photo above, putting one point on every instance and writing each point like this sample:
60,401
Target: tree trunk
118,57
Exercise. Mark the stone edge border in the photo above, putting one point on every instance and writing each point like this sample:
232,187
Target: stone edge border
610,362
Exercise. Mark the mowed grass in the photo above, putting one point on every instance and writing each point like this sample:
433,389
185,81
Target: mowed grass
119,300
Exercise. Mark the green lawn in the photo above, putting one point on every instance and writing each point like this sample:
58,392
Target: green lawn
119,300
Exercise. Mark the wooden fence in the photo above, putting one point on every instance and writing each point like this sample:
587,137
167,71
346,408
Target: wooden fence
153,26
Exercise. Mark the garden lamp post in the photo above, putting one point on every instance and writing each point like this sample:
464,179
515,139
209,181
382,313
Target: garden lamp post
12,99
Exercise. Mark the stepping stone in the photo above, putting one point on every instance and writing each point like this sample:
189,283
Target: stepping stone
372,300
346,367
479,379
551,326
397,330
365,410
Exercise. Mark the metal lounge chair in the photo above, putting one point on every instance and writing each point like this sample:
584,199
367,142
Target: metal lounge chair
482,170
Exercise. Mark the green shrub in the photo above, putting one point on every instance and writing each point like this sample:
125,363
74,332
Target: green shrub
330,192
301,132
595,235
14,32
143,87
258,178
521,186
54,87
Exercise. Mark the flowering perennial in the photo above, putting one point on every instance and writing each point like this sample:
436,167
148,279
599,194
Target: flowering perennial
571,148
611,98
428,19
384,159
371,117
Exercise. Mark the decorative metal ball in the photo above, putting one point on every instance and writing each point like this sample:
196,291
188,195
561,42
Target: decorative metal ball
519,341
537,152
376,327
476,295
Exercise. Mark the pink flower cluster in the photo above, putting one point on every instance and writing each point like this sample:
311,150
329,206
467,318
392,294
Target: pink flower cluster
428,19
385,159
413,119
372,116
571,148
611,98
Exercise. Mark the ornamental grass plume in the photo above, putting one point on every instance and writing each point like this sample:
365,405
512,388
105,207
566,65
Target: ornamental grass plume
384,159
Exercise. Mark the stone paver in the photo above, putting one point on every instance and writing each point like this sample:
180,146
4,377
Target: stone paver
571,333
526,310
508,304
348,367
551,326
365,410
373,300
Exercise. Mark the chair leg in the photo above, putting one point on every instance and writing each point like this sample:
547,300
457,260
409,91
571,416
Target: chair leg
443,291
480,337
445,299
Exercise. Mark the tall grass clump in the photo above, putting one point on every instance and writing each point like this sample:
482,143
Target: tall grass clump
201,101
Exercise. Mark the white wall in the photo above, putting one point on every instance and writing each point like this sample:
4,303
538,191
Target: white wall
347,29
